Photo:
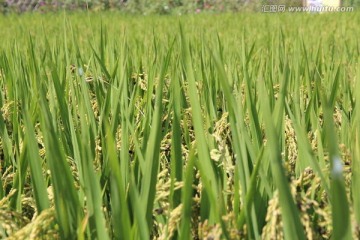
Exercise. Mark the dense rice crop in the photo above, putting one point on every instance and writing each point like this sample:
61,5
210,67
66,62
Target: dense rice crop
199,127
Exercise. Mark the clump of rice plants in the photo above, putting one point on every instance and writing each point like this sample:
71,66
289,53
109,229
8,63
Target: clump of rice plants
199,127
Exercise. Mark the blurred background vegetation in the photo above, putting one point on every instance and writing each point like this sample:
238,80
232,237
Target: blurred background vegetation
147,6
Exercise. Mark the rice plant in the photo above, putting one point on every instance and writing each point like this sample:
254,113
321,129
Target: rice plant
170,127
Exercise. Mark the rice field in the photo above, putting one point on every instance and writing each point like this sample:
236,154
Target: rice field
209,126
